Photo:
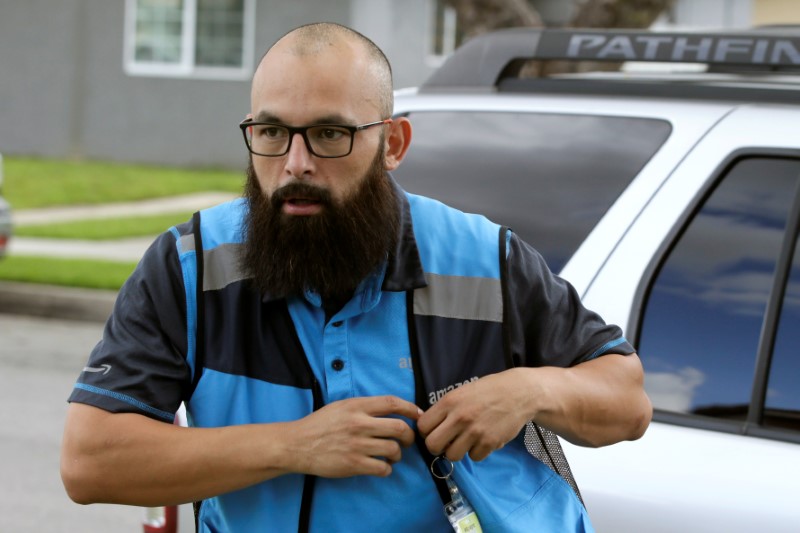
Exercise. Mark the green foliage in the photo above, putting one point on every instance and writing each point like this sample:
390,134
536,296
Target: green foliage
88,273
31,183
41,182
105,229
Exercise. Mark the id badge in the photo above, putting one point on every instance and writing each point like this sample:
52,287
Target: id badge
459,511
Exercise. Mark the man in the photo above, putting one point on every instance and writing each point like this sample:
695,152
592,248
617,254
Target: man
331,335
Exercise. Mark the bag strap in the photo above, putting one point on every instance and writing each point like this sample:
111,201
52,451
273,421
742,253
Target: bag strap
419,398
540,442
200,338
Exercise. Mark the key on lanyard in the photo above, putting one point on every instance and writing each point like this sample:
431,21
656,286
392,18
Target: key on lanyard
459,511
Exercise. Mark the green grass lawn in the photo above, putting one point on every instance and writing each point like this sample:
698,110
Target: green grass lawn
105,229
30,183
44,182
89,273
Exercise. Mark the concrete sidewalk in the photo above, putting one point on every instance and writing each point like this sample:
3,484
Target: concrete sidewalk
188,202
118,250
84,304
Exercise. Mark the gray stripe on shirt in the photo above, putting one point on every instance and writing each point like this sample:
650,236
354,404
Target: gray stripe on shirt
466,298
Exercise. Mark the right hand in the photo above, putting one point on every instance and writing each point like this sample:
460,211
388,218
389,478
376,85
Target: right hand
353,437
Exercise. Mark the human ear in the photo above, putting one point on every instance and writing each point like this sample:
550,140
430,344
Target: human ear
397,142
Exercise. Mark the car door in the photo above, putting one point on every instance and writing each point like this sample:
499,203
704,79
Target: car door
707,281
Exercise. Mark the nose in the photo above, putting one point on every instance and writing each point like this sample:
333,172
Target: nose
299,161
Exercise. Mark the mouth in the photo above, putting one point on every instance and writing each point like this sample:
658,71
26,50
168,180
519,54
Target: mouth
301,206
300,199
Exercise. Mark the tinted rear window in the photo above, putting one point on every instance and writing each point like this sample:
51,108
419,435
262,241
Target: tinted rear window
549,177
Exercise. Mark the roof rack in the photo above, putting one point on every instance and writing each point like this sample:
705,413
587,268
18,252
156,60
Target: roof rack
484,60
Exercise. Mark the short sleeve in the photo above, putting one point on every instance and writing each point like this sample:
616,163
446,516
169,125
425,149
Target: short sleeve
140,364
548,324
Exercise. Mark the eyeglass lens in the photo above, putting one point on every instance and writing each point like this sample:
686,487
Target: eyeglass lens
324,140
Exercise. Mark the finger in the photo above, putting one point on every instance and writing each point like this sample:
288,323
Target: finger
390,405
378,468
394,428
384,449
431,419
458,448
370,466
441,437
391,452
480,452
381,447
478,449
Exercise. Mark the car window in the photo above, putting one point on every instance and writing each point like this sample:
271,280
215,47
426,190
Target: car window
550,177
782,402
704,313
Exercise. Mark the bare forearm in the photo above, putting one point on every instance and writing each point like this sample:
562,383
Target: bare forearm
592,404
130,459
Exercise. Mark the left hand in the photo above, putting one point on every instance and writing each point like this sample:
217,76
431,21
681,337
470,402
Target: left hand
477,418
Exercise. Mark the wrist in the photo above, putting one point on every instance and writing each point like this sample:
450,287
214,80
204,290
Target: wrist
535,396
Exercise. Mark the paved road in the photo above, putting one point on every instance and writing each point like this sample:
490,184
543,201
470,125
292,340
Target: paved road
39,361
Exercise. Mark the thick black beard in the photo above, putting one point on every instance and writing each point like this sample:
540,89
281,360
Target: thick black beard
330,252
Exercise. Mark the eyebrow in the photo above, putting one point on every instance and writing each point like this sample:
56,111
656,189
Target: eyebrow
265,116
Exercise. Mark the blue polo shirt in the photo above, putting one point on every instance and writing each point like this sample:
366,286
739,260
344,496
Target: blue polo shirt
363,350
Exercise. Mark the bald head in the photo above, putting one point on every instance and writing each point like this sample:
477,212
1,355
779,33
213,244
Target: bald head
316,40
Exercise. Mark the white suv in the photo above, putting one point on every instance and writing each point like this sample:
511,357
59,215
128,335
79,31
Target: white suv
671,201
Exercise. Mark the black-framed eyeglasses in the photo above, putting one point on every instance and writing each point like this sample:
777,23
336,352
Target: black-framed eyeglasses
322,140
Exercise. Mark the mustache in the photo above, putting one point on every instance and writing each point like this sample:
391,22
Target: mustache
301,190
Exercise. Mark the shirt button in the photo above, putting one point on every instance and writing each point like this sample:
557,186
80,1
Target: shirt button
337,364
338,324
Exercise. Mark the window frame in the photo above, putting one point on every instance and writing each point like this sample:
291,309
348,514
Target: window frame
449,34
752,424
186,67
772,314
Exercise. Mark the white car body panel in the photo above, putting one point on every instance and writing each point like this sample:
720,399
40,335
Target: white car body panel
676,478
699,486
613,291
700,473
